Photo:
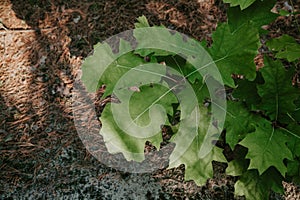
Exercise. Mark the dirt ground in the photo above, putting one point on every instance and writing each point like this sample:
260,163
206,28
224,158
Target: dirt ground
42,46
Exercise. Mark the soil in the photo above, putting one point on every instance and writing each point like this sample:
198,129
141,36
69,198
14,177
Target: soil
42,46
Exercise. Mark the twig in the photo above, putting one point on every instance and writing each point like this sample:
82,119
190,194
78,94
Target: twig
5,31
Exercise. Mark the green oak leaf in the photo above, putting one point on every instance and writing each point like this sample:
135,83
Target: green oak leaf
239,165
142,22
178,63
259,14
253,186
242,3
277,93
246,91
196,168
294,146
285,47
148,95
293,166
234,52
239,122
273,179
117,69
173,43
201,169
116,140
267,147
293,170
95,66
119,140
293,131
201,91
200,87
188,69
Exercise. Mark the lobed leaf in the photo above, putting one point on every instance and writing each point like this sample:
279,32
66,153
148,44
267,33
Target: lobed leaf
293,170
267,147
239,122
122,140
176,44
197,168
242,3
234,52
285,47
239,165
277,93
258,14
253,186
246,91
293,131
94,66
117,69
142,22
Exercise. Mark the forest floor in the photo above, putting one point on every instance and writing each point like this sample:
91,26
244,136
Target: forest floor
42,46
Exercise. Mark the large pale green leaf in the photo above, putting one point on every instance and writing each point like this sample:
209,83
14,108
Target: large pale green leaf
176,44
285,47
121,140
197,168
242,3
149,95
259,14
117,69
267,147
116,140
234,52
277,93
94,66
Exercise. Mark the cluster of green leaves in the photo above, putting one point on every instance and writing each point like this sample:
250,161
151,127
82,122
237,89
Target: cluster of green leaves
263,108
265,114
